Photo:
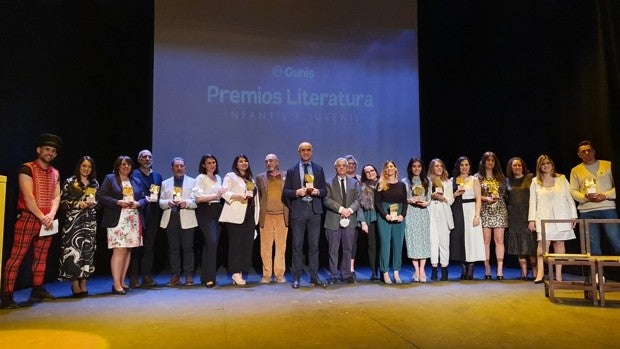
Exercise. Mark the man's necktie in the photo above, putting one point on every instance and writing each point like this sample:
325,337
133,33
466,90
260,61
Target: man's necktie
344,193
305,173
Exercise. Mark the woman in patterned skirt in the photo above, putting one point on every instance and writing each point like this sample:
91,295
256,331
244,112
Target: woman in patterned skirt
78,199
493,213
417,222
123,199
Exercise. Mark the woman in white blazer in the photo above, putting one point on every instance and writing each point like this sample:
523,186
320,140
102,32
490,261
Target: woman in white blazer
442,222
550,199
240,216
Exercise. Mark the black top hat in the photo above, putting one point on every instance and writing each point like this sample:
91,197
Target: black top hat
51,140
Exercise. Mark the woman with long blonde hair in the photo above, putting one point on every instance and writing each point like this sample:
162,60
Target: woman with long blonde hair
441,221
391,206
550,199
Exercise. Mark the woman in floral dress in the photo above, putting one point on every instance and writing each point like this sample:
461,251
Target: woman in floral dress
417,222
123,199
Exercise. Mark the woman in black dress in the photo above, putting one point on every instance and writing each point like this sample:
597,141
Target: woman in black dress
78,200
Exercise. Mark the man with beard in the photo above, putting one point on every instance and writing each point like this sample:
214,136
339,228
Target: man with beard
37,203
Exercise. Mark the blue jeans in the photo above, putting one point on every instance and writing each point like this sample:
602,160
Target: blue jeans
612,231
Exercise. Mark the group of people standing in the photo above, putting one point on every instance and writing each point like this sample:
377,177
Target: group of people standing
435,215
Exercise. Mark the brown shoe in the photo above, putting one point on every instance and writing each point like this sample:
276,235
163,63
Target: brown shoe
189,281
280,279
147,281
265,280
133,282
175,281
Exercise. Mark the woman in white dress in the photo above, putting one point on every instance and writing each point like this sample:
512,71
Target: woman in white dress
550,199
466,239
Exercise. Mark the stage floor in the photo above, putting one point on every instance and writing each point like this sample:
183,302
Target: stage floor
453,314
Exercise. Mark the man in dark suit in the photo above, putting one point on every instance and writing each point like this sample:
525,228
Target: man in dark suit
304,190
341,202
142,258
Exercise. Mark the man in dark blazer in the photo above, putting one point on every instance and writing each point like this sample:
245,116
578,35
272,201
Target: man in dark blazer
142,258
341,202
304,190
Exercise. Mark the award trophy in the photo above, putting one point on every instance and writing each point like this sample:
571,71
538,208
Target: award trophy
494,189
494,194
154,189
249,189
128,194
460,181
590,184
393,211
417,192
309,179
89,193
437,186
177,194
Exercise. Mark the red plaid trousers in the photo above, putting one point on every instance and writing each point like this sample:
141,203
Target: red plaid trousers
26,234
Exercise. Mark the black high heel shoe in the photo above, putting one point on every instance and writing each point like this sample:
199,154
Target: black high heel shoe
487,277
120,292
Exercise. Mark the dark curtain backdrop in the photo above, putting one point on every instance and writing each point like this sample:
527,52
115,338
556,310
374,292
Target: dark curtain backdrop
519,78
516,77
82,70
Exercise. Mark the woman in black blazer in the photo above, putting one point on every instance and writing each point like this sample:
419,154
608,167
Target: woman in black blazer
123,199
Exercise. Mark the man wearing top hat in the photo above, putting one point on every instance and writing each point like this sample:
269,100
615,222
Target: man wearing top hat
37,203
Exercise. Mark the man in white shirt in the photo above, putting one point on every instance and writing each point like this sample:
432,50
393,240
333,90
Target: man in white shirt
592,186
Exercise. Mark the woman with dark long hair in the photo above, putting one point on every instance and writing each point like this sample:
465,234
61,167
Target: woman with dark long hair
367,215
466,239
207,193
493,213
240,215
418,222
520,241
78,200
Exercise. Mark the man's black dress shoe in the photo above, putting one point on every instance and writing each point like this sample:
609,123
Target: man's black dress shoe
295,284
349,280
39,294
317,282
210,284
8,303
332,281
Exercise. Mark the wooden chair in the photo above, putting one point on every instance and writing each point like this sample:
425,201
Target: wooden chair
582,259
602,262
